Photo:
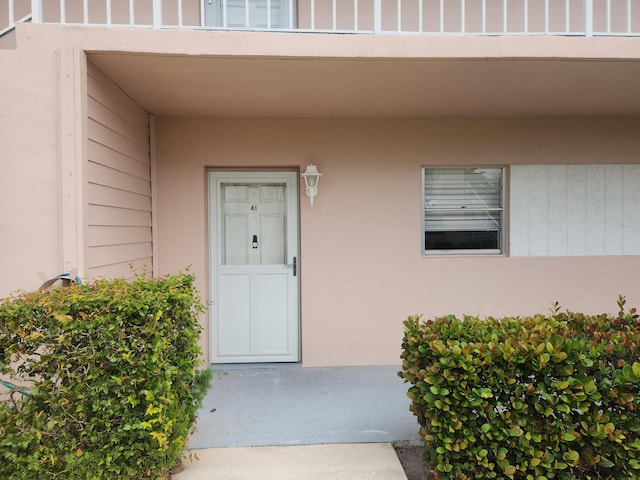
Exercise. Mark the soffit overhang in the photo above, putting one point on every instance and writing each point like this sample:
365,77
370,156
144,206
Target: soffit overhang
365,85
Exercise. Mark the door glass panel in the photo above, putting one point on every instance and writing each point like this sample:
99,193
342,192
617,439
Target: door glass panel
236,240
254,224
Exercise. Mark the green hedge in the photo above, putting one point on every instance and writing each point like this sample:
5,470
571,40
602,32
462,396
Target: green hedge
112,375
537,398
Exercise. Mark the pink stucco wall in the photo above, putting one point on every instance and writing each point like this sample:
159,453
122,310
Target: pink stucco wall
361,268
29,201
362,271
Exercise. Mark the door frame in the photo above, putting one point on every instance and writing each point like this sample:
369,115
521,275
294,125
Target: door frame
214,177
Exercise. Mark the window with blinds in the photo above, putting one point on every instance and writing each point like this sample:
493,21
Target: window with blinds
463,210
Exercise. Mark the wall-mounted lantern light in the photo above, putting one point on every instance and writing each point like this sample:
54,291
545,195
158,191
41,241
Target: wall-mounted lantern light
311,178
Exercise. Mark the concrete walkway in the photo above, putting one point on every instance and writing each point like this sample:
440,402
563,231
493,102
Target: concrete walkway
291,422
370,461
293,405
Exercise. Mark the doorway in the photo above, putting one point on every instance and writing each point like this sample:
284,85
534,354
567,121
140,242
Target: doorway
253,221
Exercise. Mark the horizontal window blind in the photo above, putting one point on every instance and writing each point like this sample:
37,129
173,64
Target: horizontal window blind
462,208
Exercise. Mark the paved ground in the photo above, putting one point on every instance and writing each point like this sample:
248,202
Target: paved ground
277,405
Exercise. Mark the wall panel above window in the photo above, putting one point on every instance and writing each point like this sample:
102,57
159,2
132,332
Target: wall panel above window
575,210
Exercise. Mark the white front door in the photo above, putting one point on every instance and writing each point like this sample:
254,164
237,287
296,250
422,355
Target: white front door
250,13
254,266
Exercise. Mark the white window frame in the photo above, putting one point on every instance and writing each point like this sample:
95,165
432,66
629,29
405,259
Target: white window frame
502,209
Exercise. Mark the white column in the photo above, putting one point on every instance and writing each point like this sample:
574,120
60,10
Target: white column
377,16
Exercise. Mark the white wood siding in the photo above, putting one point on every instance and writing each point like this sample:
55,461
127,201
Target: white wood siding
118,189
575,210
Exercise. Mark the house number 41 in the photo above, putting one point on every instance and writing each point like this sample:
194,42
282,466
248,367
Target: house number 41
254,208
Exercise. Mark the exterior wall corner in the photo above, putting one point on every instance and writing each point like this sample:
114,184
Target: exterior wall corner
72,108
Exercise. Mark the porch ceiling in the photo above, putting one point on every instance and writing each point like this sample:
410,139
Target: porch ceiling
386,87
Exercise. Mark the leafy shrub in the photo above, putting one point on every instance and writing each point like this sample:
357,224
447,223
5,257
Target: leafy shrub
527,398
114,379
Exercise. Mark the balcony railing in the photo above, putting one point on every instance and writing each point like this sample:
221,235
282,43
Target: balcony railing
436,17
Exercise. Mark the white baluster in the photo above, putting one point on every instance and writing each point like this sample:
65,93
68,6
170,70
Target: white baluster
505,16
334,14
157,14
291,14
484,16
36,11
546,16
588,18
355,15
225,6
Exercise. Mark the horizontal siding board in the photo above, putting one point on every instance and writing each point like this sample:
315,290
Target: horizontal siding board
101,134
113,254
103,155
100,215
103,195
101,175
126,270
100,235
118,189
108,118
102,89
